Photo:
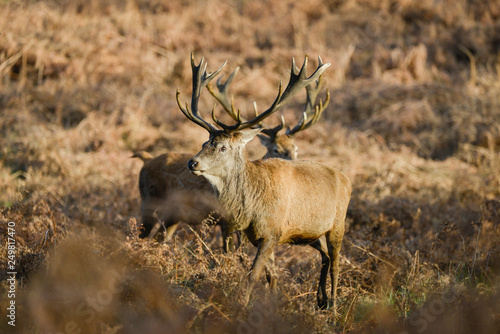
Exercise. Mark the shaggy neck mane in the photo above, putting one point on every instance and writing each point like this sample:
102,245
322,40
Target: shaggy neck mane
241,191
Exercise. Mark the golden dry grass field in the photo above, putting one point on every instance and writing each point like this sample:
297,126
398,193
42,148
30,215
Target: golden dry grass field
414,122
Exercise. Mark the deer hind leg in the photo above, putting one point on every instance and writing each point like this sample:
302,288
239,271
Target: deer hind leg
334,244
334,240
265,251
321,246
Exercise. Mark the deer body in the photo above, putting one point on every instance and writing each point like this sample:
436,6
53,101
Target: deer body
277,201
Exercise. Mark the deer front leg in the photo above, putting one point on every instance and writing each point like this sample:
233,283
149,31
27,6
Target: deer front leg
266,249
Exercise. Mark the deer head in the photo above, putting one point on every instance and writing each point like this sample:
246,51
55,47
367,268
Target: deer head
284,145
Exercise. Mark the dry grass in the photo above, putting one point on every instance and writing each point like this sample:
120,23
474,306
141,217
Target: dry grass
414,122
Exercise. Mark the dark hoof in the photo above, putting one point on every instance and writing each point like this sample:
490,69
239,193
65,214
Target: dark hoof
145,231
323,304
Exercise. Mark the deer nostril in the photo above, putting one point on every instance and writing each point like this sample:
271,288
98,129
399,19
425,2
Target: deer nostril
192,164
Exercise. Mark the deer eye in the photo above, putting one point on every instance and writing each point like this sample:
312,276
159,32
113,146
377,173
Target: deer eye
223,149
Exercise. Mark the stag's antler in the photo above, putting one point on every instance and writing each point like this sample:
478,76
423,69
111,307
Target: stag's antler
200,79
309,117
298,80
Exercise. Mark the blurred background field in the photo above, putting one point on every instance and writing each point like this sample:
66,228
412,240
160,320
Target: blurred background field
414,122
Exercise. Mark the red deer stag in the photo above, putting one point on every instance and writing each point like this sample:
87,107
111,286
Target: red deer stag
273,201
171,194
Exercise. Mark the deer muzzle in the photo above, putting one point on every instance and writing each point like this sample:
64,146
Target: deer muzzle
192,166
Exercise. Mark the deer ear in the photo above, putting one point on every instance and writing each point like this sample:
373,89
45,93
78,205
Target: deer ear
264,140
248,135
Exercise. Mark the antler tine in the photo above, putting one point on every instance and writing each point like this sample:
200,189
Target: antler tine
312,93
222,95
300,80
309,117
297,82
228,128
318,111
193,117
271,132
200,79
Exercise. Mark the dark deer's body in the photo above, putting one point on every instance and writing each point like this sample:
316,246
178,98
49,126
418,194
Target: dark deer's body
170,194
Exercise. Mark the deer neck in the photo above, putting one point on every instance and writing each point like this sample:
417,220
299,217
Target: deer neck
236,191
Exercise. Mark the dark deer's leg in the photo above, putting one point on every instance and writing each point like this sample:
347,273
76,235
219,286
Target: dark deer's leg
227,237
147,224
321,246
